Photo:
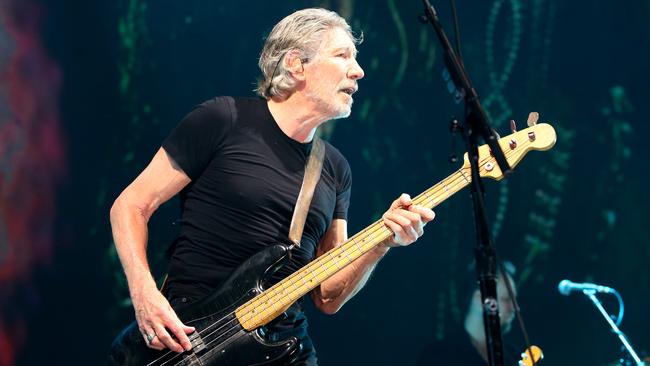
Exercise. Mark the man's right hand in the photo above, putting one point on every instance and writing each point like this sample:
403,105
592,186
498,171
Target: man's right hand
156,320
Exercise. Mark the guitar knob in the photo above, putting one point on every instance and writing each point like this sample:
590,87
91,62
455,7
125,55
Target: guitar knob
532,119
513,126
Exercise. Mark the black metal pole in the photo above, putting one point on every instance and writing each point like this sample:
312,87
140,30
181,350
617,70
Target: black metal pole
477,125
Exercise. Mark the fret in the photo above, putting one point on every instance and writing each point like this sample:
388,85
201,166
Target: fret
334,260
321,266
345,251
462,173
357,245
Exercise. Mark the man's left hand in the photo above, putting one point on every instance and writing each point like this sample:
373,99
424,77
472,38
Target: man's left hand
406,220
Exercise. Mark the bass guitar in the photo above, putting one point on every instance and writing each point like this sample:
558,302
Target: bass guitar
228,322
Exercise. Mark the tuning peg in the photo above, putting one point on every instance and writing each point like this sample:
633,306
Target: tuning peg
513,126
532,119
512,144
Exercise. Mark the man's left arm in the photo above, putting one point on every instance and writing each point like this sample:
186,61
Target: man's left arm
405,219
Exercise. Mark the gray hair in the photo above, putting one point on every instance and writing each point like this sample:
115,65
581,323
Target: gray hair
301,31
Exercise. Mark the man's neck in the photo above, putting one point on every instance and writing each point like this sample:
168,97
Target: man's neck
296,117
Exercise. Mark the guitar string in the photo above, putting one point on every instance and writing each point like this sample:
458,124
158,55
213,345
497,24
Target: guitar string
424,197
175,355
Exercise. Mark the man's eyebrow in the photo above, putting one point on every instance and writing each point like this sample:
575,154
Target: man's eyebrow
353,50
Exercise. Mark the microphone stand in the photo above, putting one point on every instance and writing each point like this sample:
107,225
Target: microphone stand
476,125
591,294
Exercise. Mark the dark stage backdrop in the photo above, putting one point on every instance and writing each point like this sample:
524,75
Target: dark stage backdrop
88,90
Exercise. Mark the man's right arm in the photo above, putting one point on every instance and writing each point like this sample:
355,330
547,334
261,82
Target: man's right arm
158,182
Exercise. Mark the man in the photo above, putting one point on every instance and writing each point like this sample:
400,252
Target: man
238,164
467,346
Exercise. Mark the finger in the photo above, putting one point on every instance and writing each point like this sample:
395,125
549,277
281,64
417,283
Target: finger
419,229
156,344
412,234
180,332
150,338
404,200
396,229
404,233
405,218
426,213
400,217
413,217
167,340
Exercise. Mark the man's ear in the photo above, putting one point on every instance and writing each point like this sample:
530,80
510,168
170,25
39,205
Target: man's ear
294,65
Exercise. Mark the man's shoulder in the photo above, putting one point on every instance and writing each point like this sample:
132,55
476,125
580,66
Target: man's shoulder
218,103
336,165
230,100
226,108
333,153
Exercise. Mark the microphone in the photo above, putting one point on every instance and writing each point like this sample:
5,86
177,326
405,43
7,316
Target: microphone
566,287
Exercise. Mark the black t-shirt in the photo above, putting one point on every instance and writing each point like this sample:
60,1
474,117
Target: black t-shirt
246,175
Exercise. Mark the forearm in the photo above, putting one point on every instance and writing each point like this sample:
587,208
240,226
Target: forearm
334,292
403,218
129,228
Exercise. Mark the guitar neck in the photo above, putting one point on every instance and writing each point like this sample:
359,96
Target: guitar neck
272,302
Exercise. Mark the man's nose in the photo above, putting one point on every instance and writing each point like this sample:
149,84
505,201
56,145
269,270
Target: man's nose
356,72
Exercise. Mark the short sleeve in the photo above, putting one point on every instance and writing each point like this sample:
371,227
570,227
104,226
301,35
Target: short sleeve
197,138
343,176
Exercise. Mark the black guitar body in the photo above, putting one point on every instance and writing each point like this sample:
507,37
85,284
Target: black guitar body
219,338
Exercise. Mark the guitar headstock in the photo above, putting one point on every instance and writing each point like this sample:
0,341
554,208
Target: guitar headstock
515,146
532,353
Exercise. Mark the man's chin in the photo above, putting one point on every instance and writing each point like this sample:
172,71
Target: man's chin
343,112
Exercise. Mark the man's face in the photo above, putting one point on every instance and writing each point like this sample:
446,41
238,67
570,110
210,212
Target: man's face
331,76
506,309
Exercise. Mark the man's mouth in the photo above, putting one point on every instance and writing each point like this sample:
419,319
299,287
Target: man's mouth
349,91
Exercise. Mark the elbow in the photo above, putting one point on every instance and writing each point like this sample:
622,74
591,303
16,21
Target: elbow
115,210
327,305
124,206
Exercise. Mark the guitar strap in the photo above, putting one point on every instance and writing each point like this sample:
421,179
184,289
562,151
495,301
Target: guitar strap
313,169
